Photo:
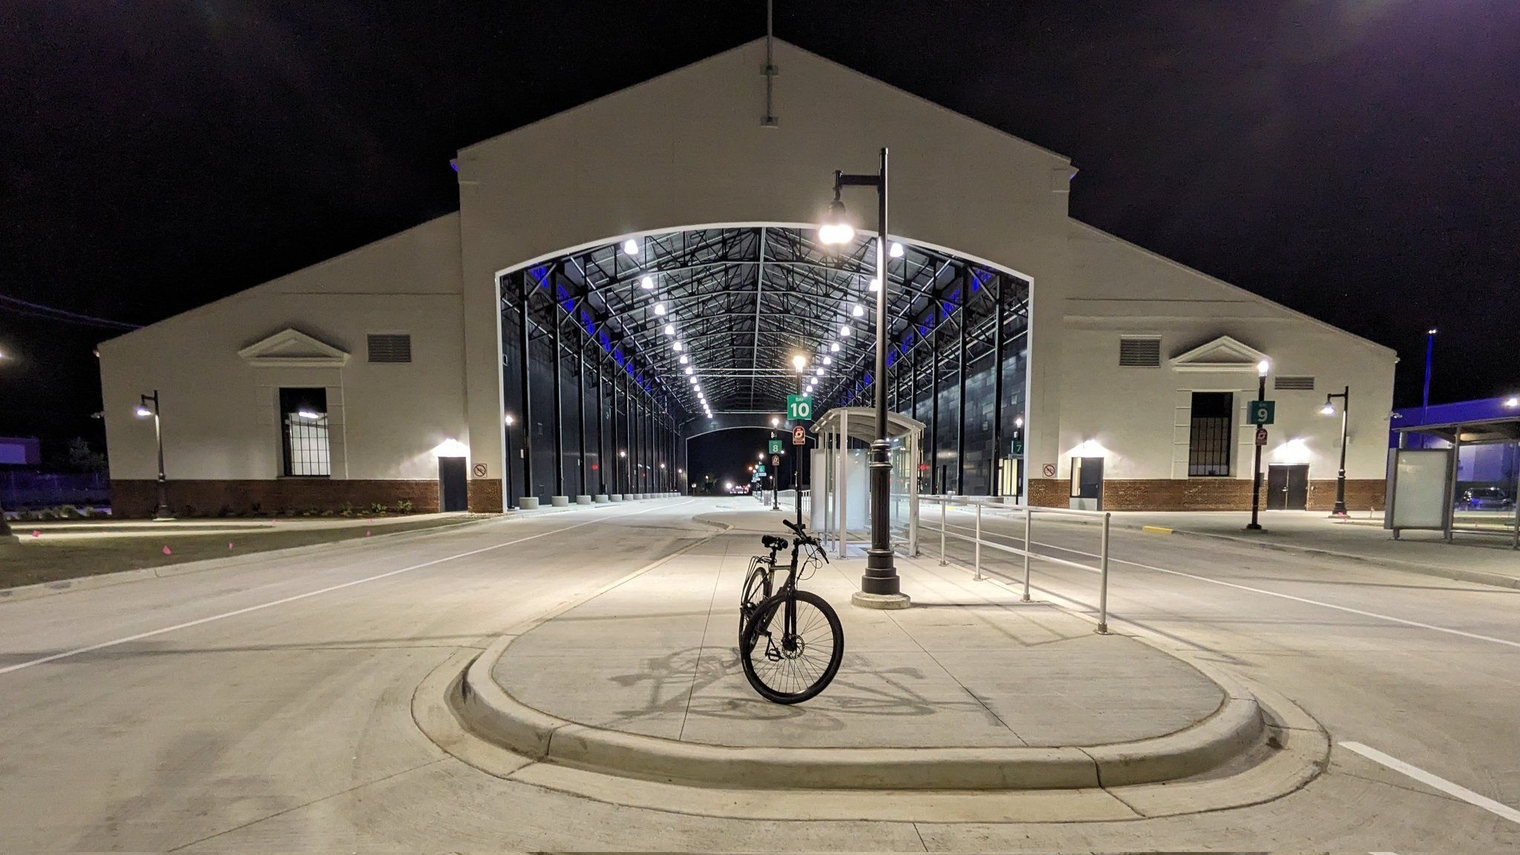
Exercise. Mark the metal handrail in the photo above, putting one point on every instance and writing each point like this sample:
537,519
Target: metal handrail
1029,512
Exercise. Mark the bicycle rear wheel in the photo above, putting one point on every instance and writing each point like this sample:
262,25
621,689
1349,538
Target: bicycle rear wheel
791,668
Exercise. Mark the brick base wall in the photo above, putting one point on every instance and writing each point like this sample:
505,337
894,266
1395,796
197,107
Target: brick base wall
1049,493
485,496
138,499
1361,495
1202,494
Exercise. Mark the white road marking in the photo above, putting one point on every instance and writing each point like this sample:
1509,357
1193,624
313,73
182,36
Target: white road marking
1473,635
1496,808
197,622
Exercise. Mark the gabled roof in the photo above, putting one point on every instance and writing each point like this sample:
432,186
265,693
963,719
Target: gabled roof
1221,354
792,78
291,348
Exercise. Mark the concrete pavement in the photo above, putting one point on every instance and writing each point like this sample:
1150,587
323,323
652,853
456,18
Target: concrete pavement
970,689
1476,558
268,707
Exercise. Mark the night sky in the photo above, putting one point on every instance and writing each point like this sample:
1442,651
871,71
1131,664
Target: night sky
1358,160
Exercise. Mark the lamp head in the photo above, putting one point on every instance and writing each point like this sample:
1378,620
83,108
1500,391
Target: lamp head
836,229
1328,409
1431,331
510,421
1261,368
799,362
143,412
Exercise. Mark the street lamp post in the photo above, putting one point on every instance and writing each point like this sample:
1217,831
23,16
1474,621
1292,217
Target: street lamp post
158,434
507,498
1340,479
880,587
1261,395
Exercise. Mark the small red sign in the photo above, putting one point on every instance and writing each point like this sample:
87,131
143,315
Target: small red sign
799,435
480,470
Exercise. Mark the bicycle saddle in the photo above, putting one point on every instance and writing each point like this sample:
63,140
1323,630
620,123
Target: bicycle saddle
773,542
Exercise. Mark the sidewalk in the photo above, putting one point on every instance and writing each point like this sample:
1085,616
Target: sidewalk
967,685
1472,558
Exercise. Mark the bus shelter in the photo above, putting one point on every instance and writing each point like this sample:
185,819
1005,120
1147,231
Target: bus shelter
1458,475
841,505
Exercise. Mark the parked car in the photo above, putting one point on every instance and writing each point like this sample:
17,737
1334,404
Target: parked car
1485,499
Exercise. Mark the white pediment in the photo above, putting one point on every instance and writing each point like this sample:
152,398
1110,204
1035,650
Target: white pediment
1221,354
292,348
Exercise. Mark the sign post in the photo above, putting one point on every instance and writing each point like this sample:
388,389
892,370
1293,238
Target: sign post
1261,413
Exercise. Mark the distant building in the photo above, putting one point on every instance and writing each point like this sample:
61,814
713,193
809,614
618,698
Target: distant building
20,451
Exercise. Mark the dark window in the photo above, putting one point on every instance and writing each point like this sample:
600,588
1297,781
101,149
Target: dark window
1139,352
303,427
1293,384
390,348
1209,441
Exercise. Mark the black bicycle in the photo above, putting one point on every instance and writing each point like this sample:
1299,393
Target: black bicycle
790,641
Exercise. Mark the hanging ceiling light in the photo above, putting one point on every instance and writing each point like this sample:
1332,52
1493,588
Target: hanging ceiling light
670,329
820,372
631,246
688,369
896,250
857,310
675,345
833,347
647,283
828,360
844,331
682,360
875,285
659,308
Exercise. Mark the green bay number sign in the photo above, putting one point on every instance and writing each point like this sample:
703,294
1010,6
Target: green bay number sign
799,408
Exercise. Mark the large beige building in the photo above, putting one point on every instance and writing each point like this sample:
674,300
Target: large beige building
388,373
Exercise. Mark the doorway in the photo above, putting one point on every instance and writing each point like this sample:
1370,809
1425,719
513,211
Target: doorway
453,486
1087,483
1287,487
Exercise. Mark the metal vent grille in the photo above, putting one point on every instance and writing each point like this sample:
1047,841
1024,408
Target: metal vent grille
1140,352
1293,384
390,348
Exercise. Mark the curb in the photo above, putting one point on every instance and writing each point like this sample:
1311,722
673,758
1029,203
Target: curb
104,580
486,708
1458,574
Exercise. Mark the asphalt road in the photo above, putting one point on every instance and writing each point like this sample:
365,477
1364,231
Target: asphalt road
267,707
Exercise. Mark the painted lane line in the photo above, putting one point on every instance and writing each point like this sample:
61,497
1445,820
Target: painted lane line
197,622
1434,781
1305,600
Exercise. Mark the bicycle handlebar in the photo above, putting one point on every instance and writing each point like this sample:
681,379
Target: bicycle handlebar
804,537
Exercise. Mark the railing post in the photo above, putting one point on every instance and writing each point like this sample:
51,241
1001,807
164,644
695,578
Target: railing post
1103,579
978,559
1028,520
942,505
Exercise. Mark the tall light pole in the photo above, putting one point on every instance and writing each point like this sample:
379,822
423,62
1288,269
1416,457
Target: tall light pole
5,528
1261,395
1340,479
1430,352
880,587
143,411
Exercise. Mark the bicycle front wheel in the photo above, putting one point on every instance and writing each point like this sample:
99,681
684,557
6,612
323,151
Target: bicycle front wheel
790,667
